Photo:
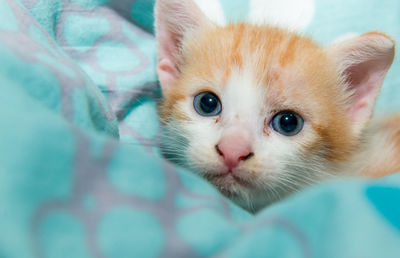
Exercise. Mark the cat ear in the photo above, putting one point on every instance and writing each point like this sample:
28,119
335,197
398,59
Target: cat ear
363,62
174,19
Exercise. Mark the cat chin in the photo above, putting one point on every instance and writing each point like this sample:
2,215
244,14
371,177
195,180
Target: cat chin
229,182
241,192
248,199
257,199
246,194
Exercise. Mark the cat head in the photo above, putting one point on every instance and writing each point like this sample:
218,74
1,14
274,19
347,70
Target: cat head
257,110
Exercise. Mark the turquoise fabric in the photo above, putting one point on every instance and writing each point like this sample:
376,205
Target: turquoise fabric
76,74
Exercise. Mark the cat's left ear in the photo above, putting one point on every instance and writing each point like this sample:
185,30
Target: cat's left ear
363,62
174,20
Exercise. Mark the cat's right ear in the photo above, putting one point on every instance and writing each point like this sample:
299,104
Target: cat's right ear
174,19
363,62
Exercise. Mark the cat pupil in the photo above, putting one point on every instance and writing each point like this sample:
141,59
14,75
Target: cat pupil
207,104
288,122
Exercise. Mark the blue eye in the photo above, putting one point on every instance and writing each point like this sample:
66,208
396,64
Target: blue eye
287,123
207,104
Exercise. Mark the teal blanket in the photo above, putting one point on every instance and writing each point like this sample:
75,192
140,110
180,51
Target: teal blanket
80,171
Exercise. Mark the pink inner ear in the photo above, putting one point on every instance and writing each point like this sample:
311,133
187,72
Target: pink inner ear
365,80
173,20
168,51
167,73
169,44
365,61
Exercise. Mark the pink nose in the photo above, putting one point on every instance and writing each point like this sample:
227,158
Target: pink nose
234,149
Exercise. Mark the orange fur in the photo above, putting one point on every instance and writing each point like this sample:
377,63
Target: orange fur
382,157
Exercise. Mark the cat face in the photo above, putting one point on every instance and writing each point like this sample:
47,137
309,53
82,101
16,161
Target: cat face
258,111
243,145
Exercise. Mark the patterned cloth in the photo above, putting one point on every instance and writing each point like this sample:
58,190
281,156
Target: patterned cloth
75,74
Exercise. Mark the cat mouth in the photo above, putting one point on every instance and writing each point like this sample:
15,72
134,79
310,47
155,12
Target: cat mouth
227,180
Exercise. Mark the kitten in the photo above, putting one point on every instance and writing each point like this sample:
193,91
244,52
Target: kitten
262,112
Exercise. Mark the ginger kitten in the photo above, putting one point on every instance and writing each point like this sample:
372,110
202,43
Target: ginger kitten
261,112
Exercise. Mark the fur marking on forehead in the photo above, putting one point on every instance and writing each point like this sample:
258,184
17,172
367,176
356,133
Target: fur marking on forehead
242,95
